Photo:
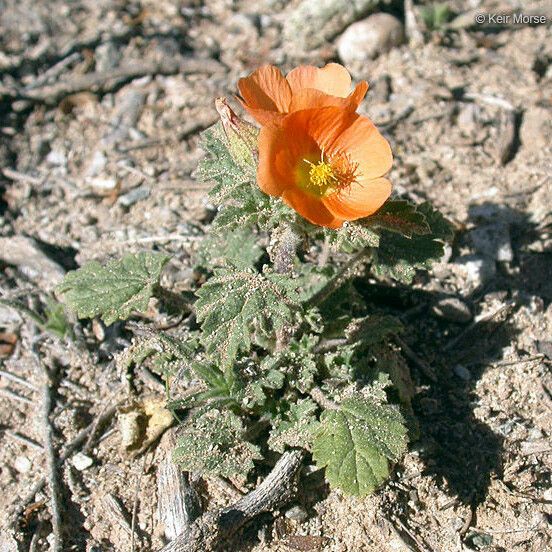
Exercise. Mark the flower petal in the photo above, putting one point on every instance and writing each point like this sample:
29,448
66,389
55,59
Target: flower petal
309,98
262,116
360,199
324,125
266,89
279,156
363,144
310,208
332,79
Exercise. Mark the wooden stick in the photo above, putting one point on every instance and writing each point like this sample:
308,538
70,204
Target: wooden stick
207,532
106,81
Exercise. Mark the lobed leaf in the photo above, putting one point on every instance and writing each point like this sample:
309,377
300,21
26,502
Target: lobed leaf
399,256
233,302
399,216
115,290
353,236
356,442
237,248
295,428
212,443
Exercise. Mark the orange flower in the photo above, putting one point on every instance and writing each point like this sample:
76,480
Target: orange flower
325,163
268,95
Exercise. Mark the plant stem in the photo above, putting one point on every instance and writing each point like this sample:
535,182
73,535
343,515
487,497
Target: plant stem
283,245
348,270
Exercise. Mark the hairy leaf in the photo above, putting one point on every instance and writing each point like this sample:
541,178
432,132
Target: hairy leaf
234,302
399,257
56,320
238,248
295,428
399,216
231,164
372,329
297,362
212,443
353,236
169,354
115,290
232,174
356,442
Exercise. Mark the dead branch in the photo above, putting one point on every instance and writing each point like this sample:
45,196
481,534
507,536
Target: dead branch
67,452
53,475
106,81
178,504
207,532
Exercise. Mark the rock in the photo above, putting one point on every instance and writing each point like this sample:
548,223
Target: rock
370,38
102,186
132,197
97,164
311,23
107,56
297,513
452,309
22,464
26,254
536,128
462,372
56,158
479,270
493,240
81,461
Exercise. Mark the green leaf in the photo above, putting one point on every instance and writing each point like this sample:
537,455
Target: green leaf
295,428
232,166
234,302
399,257
212,443
372,329
356,443
401,217
297,362
56,321
115,290
353,236
436,16
169,353
238,248
232,174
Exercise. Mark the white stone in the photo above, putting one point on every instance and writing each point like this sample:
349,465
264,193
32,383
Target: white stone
81,461
369,38
22,464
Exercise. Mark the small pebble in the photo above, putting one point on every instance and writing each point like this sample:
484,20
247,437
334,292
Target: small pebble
134,196
369,38
103,185
462,372
297,513
452,309
22,464
56,158
479,269
81,461
493,240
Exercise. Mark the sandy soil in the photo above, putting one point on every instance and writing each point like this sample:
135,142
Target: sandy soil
106,168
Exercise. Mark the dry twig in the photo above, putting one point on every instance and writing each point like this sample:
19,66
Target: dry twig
107,81
207,532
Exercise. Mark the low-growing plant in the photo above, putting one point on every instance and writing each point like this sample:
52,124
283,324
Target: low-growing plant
281,351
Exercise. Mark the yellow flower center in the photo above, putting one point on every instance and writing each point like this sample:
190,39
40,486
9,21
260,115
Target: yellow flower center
327,176
322,177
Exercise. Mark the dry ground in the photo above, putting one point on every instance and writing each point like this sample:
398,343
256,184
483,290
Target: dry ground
106,167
